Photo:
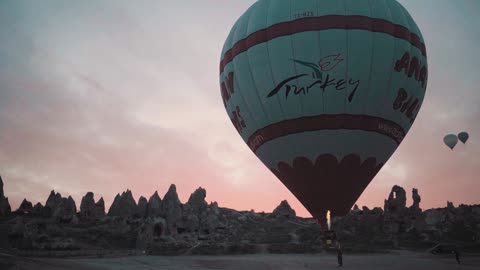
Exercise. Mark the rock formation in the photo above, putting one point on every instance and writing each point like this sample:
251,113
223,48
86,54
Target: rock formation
416,201
38,210
190,221
99,210
284,210
450,205
66,210
4,204
142,207
398,218
171,209
53,201
25,208
115,205
89,210
151,231
397,200
200,228
154,205
197,200
87,206
211,219
123,205
366,209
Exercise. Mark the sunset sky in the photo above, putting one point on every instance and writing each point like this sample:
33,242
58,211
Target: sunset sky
107,95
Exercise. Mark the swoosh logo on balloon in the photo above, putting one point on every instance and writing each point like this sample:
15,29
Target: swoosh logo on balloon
282,83
352,22
327,63
326,122
316,69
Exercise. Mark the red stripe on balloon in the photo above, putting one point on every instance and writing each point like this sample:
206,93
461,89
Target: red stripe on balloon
327,183
326,122
322,23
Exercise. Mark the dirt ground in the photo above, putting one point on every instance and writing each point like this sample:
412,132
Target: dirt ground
395,260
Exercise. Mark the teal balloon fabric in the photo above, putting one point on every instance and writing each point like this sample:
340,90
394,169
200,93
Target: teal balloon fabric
463,136
450,140
323,92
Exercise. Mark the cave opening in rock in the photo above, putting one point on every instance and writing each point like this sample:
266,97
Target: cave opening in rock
157,230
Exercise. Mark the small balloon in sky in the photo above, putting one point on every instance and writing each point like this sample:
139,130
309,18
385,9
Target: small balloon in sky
323,92
450,140
463,136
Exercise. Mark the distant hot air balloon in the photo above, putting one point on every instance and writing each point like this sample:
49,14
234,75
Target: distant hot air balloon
323,92
463,136
450,140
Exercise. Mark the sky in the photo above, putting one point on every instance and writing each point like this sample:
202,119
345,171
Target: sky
111,95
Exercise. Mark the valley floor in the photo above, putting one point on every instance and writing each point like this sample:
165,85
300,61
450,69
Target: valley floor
400,260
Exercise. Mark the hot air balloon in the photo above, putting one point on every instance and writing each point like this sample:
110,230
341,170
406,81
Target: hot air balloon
463,136
323,92
450,140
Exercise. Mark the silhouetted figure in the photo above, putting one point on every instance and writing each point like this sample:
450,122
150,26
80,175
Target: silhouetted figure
339,254
457,256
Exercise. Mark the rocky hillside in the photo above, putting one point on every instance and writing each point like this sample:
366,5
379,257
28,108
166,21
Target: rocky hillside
168,226
399,226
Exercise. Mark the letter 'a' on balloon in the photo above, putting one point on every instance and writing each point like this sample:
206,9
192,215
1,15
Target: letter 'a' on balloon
463,137
323,92
450,140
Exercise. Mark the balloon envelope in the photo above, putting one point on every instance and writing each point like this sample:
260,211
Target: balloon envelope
450,140
463,136
323,92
